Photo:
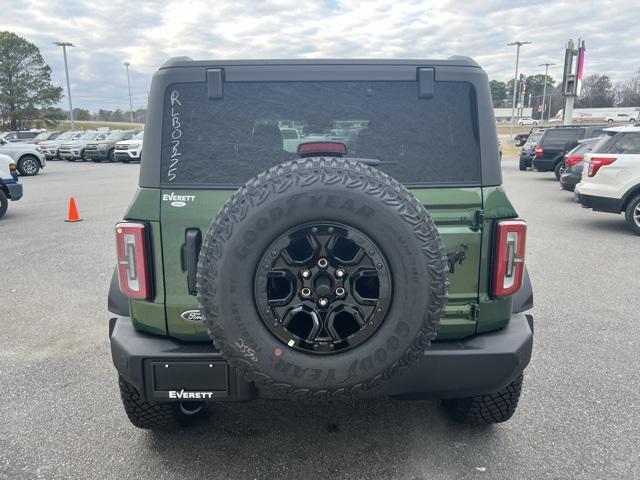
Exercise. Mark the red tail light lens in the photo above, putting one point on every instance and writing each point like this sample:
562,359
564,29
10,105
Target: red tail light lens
321,148
133,272
539,152
596,162
572,160
508,262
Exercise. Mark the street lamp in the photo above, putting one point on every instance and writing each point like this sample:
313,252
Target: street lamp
64,46
126,64
518,44
544,89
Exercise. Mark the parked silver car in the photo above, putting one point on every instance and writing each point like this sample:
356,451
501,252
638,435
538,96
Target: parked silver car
28,157
50,147
74,149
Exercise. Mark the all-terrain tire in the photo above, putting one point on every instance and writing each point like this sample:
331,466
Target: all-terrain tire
314,190
632,215
153,415
4,203
486,409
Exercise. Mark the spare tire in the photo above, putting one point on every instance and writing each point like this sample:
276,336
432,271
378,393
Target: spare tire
322,278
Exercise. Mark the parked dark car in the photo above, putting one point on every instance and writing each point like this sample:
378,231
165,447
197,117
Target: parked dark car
528,150
556,142
574,162
521,138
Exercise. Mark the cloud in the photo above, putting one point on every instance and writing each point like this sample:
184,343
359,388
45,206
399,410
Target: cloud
108,33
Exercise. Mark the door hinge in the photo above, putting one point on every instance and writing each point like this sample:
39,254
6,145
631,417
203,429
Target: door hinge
478,219
474,312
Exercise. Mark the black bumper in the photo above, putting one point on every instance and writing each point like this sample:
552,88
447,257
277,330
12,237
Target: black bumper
544,164
93,155
600,204
479,365
15,191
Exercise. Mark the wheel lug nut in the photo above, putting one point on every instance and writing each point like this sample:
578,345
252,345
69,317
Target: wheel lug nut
322,263
323,302
340,291
305,292
340,273
305,273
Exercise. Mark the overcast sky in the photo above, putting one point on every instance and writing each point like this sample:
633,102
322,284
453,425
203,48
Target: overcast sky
106,33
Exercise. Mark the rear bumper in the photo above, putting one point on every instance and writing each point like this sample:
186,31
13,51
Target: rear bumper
12,188
599,204
544,164
483,364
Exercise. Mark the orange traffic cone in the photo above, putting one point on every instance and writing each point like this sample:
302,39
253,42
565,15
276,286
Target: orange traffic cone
73,215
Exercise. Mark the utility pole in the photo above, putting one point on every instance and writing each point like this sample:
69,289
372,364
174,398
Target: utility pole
544,89
516,82
126,64
64,46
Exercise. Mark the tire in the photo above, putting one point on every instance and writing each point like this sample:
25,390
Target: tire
518,143
486,409
522,166
4,203
112,155
632,215
559,169
610,121
28,166
156,415
83,157
402,240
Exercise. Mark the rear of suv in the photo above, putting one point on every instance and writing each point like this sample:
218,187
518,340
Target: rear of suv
385,262
556,142
612,180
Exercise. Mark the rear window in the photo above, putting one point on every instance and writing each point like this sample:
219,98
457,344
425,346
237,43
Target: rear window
224,142
624,143
560,136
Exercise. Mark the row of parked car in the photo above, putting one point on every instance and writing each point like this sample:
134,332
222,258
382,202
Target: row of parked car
610,155
31,152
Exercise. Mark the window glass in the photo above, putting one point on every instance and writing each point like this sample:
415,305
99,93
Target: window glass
625,143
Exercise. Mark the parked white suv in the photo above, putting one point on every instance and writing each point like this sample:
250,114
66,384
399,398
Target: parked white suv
612,180
10,189
129,150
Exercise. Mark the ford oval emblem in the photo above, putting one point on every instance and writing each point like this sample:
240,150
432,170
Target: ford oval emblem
178,203
192,316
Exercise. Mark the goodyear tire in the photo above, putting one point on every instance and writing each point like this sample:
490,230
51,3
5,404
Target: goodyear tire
327,224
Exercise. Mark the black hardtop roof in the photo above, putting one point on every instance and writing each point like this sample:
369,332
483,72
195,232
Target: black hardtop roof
453,61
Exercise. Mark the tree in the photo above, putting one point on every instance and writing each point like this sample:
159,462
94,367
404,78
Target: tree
498,92
25,79
597,92
81,114
628,93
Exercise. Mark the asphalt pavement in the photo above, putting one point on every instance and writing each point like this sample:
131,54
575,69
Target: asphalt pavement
61,416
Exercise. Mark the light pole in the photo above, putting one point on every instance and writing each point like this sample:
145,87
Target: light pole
516,82
64,46
544,89
126,64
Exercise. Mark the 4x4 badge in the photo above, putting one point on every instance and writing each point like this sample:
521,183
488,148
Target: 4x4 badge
192,316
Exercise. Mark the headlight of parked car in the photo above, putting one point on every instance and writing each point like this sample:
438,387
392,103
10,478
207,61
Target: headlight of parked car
134,145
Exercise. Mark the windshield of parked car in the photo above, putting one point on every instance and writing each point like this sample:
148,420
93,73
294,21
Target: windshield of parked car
89,136
115,136
138,136
66,136
225,142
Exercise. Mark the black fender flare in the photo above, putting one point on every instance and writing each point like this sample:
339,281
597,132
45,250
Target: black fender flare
117,302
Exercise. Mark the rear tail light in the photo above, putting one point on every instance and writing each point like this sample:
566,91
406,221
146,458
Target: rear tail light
310,149
133,271
572,160
508,261
596,162
539,152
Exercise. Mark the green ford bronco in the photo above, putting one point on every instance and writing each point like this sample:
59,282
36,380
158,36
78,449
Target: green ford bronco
372,253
